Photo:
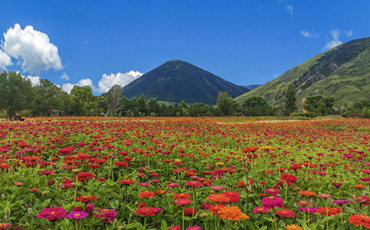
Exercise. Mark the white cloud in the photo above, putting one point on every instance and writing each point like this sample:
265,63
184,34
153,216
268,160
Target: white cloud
306,34
5,60
334,41
64,76
67,87
32,48
290,8
35,80
121,79
106,82
348,33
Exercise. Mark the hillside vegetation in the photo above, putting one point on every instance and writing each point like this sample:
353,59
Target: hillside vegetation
342,73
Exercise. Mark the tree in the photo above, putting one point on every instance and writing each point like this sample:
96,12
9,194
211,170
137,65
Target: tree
318,104
153,106
83,101
142,107
290,99
16,93
226,104
257,106
115,103
47,98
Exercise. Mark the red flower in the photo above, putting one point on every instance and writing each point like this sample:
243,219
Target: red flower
288,178
146,194
285,213
327,211
121,164
127,181
190,211
86,199
358,219
145,211
182,196
232,195
84,176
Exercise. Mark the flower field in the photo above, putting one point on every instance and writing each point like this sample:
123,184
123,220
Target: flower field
184,173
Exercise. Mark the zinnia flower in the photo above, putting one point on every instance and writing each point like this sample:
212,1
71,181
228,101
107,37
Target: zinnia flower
219,198
285,213
77,215
232,213
181,202
145,211
327,211
146,194
358,219
232,195
260,210
5,225
293,227
109,214
272,201
53,213
195,227
86,199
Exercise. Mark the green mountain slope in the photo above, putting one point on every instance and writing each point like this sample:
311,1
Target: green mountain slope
178,81
342,72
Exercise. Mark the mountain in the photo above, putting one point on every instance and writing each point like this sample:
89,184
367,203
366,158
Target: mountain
342,73
251,87
178,81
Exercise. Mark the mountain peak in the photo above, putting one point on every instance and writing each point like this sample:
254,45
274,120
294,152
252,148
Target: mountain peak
177,81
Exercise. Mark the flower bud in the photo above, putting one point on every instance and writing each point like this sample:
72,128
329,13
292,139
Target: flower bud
7,212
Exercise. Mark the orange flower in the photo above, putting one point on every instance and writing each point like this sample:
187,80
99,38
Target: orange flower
232,213
307,193
219,198
359,186
293,227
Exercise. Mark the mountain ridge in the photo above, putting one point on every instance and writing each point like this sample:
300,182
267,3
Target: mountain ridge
177,81
336,72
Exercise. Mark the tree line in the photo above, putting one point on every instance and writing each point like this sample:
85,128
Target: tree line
18,96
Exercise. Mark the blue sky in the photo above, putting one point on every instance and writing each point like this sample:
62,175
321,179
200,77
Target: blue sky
245,42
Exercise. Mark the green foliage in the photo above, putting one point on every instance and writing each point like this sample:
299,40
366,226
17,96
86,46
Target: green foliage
83,101
16,92
342,73
178,81
319,105
48,97
226,104
257,106
290,99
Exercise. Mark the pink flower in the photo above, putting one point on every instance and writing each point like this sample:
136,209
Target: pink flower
53,213
272,201
260,210
181,202
5,225
77,215
176,227
196,184
109,214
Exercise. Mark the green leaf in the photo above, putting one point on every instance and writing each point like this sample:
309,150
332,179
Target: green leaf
163,225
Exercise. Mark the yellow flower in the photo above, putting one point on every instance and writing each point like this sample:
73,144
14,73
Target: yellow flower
220,163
